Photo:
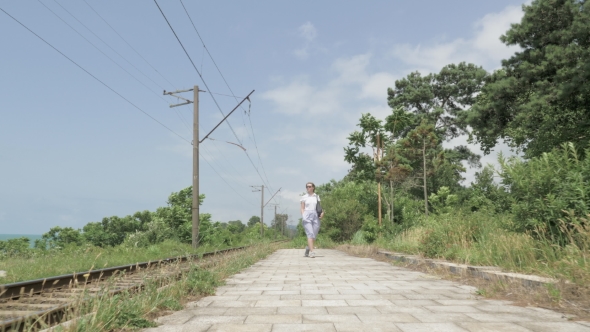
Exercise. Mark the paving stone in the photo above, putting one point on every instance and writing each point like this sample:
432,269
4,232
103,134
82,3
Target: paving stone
229,304
177,318
555,326
338,292
429,327
331,318
324,303
443,317
207,311
324,327
493,327
343,297
303,297
302,310
274,319
452,308
240,328
352,310
246,311
374,327
279,303
391,317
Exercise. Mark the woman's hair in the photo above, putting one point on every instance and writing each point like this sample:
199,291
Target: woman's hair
312,185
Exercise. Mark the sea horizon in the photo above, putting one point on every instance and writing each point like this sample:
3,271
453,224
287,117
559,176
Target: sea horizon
32,237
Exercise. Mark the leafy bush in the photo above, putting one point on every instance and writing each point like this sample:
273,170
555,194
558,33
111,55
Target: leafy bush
443,201
345,205
15,247
546,189
370,229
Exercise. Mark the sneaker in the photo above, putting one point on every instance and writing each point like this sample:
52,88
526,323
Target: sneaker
312,254
306,251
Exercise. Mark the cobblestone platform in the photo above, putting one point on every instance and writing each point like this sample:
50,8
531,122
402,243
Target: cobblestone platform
338,292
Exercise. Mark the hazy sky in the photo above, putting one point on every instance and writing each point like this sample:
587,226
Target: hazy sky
74,151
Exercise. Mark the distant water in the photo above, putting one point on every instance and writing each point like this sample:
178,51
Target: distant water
32,237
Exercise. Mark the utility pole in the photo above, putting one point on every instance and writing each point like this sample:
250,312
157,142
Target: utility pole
196,142
378,158
262,205
276,230
277,227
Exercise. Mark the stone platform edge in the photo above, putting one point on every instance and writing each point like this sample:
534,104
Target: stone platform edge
490,273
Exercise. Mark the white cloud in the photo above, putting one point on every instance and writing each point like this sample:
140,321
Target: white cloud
485,48
308,32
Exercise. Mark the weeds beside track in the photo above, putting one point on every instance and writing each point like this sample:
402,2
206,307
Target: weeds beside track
40,303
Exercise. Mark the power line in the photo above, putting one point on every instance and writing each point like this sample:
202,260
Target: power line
207,87
98,49
118,34
96,78
109,46
232,188
230,89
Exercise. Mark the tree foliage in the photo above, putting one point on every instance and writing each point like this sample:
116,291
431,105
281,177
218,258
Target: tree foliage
440,98
540,97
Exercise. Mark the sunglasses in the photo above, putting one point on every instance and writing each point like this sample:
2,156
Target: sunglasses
308,186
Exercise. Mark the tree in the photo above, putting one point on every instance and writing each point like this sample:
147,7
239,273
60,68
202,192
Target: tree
61,237
540,97
439,99
363,166
253,221
420,146
235,226
280,222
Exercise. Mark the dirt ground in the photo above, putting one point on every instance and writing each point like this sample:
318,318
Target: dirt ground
570,299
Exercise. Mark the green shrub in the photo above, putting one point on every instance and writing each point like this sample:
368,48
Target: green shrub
370,228
548,188
346,203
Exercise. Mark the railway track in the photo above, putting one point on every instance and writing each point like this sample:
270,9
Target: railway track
37,304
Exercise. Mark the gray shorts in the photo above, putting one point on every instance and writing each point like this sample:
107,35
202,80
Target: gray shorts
311,224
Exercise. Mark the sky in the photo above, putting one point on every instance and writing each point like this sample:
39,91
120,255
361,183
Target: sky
86,131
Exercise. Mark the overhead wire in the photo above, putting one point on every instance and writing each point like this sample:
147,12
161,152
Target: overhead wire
207,87
230,89
96,78
98,49
124,40
109,46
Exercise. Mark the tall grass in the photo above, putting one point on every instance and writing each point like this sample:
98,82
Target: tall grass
41,264
483,238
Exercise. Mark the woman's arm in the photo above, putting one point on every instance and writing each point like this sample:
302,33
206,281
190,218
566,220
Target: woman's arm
302,207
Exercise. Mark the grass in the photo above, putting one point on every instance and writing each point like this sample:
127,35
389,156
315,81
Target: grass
42,264
129,311
486,239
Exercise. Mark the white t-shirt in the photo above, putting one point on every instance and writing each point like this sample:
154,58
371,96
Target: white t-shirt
310,201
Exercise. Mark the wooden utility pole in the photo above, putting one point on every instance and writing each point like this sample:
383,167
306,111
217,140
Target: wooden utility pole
195,208
378,157
262,211
195,143
276,228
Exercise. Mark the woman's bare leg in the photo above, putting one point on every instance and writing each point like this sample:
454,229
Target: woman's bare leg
310,244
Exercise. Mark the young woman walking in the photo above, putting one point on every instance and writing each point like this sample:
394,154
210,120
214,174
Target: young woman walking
310,218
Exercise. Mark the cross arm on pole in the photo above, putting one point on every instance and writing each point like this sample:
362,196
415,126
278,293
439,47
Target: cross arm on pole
220,122
272,196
